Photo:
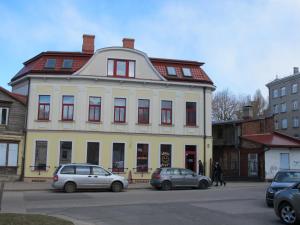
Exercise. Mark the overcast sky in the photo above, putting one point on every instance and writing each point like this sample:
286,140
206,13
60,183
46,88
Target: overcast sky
244,43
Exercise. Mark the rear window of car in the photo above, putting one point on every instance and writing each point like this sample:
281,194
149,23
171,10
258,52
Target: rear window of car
288,177
57,169
83,170
68,170
157,171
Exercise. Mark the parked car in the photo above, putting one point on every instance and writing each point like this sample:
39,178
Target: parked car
70,177
283,179
168,178
287,204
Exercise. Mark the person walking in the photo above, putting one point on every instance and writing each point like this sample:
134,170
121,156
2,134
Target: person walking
201,167
219,175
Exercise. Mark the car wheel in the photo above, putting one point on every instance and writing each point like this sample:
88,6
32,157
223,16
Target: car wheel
116,187
203,184
287,214
166,185
70,187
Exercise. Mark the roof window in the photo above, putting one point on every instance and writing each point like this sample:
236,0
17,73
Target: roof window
67,63
171,71
186,72
50,63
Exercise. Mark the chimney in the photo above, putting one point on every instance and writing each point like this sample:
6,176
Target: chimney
296,70
247,112
128,43
88,43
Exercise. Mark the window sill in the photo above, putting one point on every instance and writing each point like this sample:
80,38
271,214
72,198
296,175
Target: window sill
191,126
47,121
143,124
67,121
166,125
94,122
119,123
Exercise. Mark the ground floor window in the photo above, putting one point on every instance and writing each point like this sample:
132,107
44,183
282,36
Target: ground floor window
165,155
284,161
9,154
40,155
118,157
92,156
191,157
65,152
252,164
142,158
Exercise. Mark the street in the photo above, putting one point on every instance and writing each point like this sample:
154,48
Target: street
231,205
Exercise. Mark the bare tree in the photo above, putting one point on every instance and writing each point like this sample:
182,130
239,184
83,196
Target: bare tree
259,104
224,106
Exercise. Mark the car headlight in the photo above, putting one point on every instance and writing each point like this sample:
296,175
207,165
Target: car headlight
271,190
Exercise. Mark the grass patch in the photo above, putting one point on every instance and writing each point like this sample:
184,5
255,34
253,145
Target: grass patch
30,219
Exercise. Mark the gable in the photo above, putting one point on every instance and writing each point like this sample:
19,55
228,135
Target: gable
98,64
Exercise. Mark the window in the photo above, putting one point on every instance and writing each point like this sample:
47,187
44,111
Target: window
166,112
142,158
9,154
294,88
68,107
283,91
44,107
94,109
118,157
50,63
40,155
68,170
284,124
120,110
67,63
165,155
276,125
98,171
4,116
275,93
283,107
121,68
295,105
83,170
65,152
171,70
295,122
186,72
92,155
284,161
143,111
191,113
276,109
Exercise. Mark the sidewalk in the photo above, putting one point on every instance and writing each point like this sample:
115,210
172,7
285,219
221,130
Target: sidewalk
46,186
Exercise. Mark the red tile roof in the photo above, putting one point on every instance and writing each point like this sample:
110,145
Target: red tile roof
273,140
36,65
18,97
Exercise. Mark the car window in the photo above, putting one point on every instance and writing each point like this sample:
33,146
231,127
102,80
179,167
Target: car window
168,171
68,170
288,177
57,169
175,172
83,170
186,172
99,171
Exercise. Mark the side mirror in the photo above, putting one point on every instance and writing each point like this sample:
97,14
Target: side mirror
107,174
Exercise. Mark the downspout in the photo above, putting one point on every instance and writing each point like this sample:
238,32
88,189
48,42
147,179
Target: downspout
25,130
204,131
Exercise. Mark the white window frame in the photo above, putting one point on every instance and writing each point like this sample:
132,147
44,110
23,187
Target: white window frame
283,107
295,104
283,123
294,88
283,91
296,122
275,93
6,120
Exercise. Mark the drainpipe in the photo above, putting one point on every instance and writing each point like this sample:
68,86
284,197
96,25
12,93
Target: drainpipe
25,130
204,131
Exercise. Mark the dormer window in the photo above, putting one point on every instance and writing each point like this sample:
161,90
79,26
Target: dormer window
67,64
171,71
50,63
120,68
186,72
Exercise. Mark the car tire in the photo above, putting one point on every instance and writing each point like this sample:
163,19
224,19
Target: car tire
116,187
287,214
70,187
166,186
203,184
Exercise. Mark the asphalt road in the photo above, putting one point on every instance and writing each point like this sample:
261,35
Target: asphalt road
232,205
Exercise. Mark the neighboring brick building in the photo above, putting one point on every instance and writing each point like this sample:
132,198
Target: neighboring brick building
12,124
250,149
284,103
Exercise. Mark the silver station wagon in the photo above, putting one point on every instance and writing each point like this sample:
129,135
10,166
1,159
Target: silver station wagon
70,177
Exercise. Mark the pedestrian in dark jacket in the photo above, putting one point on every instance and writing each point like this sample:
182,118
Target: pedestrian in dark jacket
218,175
201,167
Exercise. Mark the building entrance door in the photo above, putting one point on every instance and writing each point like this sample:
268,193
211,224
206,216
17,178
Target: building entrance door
252,165
93,153
190,157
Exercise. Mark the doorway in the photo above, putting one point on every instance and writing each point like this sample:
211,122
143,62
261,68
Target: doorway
252,164
190,157
92,153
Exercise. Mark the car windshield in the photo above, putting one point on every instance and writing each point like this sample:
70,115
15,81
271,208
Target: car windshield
287,177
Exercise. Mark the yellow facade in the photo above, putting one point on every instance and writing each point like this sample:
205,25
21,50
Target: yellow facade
80,139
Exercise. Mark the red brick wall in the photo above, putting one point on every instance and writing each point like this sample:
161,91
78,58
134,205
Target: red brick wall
258,126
